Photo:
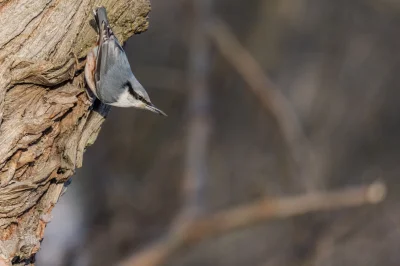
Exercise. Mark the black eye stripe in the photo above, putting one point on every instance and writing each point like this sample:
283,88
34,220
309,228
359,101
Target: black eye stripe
130,89
134,94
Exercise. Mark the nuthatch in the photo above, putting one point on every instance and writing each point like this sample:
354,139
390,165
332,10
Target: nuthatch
108,73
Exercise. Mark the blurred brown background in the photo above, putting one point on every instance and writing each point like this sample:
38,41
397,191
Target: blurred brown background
335,61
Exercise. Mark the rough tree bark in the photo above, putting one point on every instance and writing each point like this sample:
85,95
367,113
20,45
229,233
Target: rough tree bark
46,122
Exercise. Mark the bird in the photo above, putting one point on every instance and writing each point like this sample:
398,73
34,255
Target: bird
108,73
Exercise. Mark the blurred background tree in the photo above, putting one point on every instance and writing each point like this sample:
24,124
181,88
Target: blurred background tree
334,64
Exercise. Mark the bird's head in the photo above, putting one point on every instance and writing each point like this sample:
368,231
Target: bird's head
136,96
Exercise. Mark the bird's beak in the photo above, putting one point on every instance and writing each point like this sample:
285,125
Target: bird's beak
154,109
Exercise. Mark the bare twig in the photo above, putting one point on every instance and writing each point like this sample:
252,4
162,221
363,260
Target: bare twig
247,215
271,98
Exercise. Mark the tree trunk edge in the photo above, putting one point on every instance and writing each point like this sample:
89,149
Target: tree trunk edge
46,121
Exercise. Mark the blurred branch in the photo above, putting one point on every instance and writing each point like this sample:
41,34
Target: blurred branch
260,211
190,228
195,172
271,98
199,109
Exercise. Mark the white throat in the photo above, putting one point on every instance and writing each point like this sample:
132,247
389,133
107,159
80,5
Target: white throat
127,100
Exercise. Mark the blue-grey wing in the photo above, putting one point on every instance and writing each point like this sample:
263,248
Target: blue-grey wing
112,70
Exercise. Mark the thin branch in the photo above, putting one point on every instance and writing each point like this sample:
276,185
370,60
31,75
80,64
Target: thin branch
247,215
270,97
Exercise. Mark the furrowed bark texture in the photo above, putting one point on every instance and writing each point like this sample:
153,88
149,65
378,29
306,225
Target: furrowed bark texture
46,121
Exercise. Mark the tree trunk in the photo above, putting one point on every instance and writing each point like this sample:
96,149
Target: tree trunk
46,121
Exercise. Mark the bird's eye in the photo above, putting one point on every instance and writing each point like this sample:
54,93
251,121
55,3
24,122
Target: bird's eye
140,97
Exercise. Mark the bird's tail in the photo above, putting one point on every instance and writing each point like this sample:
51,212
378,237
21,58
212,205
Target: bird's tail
100,14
